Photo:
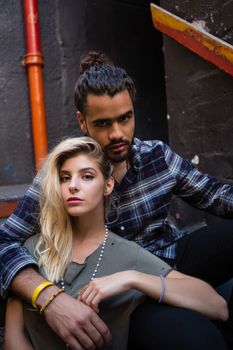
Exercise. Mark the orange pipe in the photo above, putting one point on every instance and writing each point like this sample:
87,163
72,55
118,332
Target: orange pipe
33,61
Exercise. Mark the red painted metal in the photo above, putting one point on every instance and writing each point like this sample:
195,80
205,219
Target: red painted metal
32,26
7,207
33,61
200,41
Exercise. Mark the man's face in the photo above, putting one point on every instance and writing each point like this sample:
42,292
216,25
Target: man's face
110,121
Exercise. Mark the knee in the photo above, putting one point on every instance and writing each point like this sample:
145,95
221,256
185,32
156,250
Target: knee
191,330
168,328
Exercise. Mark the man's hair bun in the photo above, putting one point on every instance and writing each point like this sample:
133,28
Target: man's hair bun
94,58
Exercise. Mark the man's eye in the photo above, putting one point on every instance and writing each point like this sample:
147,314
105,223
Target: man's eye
101,124
124,118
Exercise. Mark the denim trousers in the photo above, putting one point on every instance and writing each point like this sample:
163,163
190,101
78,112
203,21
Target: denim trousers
206,254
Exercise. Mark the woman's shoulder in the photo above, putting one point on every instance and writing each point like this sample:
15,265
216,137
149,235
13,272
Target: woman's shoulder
31,242
144,260
122,241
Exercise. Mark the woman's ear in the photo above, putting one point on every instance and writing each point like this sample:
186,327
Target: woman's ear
109,185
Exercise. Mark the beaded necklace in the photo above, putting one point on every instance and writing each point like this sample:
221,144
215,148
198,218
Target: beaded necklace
62,283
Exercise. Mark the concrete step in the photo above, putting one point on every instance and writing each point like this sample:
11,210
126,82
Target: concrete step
10,196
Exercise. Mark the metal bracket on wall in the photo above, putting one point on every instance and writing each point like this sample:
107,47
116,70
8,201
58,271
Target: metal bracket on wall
198,40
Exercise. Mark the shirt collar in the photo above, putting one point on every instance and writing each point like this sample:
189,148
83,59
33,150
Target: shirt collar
135,154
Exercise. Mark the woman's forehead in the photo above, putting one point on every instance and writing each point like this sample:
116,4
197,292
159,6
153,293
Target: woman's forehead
80,161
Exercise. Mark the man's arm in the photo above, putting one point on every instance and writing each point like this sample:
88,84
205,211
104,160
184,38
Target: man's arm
20,225
199,189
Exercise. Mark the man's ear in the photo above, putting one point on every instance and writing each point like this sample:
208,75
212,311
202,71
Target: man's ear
109,185
82,122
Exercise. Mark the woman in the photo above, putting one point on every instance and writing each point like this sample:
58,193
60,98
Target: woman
76,251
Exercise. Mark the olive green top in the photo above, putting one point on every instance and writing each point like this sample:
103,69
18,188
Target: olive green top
119,255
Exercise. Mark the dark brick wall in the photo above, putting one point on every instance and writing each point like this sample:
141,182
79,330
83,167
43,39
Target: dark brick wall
199,95
123,29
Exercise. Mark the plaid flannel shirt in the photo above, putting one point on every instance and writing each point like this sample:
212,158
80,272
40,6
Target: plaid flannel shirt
143,198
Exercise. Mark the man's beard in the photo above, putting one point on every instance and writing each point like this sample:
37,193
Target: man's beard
117,158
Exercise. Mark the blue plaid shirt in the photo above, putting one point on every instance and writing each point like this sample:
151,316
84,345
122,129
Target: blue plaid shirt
143,198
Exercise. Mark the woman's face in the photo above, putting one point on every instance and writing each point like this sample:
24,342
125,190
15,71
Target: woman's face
83,186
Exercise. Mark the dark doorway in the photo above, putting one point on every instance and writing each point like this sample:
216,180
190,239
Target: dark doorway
123,30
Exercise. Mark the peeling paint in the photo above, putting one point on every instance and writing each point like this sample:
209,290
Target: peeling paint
227,3
195,160
211,17
201,25
200,75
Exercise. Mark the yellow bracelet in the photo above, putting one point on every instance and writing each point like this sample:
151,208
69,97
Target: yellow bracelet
37,292
50,300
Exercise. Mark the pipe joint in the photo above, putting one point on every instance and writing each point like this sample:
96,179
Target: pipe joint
33,59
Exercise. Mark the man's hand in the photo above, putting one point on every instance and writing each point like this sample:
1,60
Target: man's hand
76,323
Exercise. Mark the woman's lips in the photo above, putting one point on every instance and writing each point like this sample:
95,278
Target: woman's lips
74,200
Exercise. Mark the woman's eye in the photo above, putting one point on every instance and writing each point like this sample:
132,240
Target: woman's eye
88,177
64,178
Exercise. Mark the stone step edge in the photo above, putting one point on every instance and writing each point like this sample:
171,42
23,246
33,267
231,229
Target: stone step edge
10,196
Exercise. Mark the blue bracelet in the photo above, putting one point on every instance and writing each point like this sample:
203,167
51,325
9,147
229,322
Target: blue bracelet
163,291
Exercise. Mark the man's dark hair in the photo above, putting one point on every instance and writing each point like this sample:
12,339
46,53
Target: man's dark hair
99,76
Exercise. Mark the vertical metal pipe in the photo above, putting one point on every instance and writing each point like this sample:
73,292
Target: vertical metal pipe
33,61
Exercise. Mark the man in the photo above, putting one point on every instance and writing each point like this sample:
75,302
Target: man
147,175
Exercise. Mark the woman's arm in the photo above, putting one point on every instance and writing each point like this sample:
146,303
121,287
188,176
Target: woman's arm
186,291
15,337
181,291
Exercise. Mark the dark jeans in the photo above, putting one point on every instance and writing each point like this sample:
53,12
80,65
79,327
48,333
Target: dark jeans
161,327
207,254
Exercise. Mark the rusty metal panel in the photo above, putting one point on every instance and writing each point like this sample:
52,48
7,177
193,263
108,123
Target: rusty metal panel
195,38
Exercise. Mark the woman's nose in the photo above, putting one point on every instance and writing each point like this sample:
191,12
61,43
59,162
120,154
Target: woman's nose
73,186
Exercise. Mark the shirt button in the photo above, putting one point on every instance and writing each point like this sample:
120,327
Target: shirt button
122,228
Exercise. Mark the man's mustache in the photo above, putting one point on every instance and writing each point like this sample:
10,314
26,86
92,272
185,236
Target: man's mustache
117,142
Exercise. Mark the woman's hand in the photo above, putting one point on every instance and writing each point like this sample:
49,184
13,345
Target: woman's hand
104,287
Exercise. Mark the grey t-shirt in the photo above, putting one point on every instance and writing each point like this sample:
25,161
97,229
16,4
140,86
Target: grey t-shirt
119,255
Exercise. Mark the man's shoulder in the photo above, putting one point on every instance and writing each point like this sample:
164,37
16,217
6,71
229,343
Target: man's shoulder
147,150
144,146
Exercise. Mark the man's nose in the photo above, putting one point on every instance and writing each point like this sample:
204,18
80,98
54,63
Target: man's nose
115,132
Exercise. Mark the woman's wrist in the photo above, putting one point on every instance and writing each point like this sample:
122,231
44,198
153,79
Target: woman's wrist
133,279
148,284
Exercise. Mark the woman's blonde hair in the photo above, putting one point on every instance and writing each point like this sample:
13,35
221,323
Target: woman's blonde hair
55,243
